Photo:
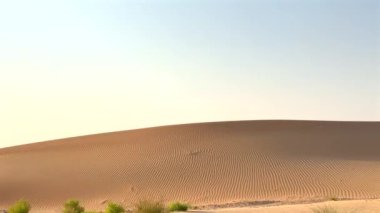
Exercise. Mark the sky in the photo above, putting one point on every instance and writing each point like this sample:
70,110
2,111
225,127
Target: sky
78,67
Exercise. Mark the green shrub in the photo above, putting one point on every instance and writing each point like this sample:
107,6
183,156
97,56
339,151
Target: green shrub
21,206
73,206
114,208
177,206
147,206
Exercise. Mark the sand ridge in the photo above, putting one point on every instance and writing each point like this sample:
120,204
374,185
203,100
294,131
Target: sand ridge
206,163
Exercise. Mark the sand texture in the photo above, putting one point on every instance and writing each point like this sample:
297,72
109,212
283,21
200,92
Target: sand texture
346,206
207,163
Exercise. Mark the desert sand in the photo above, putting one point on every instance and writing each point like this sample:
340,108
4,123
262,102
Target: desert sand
206,164
346,206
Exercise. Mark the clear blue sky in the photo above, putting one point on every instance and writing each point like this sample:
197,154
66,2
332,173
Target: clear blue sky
79,67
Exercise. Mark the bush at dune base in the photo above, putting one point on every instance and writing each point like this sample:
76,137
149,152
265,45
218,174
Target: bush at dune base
147,206
114,208
21,206
177,206
73,206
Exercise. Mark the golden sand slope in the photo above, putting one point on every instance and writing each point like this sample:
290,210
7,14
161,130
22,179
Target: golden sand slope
199,163
352,206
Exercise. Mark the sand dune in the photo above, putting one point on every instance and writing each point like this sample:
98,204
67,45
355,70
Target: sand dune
208,163
353,206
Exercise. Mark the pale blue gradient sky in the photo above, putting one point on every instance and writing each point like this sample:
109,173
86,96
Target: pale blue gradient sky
78,67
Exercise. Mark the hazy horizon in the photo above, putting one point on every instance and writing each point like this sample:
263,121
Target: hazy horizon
70,68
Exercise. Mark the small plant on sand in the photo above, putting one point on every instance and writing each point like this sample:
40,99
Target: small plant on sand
21,206
73,206
326,209
177,206
146,206
334,198
114,208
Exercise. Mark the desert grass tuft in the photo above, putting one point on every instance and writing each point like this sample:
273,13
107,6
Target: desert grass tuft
73,206
148,206
178,206
21,206
114,208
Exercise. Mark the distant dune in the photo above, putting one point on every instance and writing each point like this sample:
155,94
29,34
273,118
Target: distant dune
207,163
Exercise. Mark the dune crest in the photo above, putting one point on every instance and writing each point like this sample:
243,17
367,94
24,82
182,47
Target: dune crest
206,163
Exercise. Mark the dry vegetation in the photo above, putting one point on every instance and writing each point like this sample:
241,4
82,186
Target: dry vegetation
73,206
